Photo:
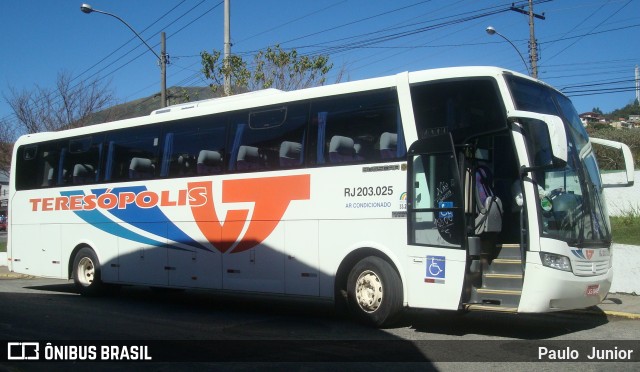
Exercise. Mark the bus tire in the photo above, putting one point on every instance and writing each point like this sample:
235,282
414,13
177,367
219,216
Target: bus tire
86,273
374,292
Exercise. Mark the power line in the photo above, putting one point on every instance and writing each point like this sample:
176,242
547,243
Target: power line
333,49
598,84
592,29
127,42
372,40
354,22
599,92
284,24
12,116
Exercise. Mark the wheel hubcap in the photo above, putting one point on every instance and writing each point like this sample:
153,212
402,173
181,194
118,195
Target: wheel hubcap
369,291
86,271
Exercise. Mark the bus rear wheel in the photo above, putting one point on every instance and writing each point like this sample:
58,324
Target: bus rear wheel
374,292
86,272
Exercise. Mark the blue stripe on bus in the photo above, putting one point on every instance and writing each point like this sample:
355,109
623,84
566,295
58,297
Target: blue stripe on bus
98,220
164,227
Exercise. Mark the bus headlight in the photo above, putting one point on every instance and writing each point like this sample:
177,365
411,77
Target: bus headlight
555,261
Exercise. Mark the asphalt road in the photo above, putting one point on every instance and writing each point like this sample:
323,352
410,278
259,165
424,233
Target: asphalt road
248,333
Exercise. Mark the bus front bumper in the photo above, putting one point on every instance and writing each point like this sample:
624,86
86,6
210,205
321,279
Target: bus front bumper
546,289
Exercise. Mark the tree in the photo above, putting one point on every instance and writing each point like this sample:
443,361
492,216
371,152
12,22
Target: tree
271,68
597,110
7,138
214,69
630,109
41,109
66,106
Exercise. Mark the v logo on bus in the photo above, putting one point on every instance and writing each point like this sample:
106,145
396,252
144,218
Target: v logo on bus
271,197
585,254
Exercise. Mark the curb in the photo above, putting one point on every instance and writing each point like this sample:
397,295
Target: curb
11,275
621,314
598,311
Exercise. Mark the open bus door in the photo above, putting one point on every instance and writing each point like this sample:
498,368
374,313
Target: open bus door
435,218
442,213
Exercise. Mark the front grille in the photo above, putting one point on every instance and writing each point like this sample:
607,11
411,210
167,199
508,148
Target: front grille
590,268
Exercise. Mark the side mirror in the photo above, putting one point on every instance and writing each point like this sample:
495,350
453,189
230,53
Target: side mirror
628,161
557,139
546,139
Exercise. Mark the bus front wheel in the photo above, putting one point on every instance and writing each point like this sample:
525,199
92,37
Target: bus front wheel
374,292
86,272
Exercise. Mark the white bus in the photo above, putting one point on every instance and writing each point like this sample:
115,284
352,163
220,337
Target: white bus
470,188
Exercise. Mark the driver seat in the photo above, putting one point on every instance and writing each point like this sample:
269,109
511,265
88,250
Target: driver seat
488,204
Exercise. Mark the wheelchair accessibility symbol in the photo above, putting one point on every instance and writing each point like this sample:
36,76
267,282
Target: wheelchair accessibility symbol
436,269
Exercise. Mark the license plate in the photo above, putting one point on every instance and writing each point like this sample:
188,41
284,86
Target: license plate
593,290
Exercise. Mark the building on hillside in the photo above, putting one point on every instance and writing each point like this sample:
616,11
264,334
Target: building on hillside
621,123
592,118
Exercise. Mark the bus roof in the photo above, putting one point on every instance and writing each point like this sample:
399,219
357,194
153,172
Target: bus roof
273,97
217,101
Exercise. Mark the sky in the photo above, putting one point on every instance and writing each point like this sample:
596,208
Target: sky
588,48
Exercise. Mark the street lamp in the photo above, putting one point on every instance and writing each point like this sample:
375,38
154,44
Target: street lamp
162,58
492,31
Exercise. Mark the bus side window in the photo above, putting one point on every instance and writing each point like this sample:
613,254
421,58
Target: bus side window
269,138
81,160
462,107
132,154
37,166
359,128
194,147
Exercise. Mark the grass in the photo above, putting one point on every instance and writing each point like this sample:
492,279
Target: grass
3,246
626,228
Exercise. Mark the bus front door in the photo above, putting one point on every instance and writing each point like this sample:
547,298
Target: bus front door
435,224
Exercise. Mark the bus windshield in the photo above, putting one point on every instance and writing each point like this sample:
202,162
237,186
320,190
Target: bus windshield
571,199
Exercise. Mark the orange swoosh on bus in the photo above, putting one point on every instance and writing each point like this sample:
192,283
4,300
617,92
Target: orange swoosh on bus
221,234
271,197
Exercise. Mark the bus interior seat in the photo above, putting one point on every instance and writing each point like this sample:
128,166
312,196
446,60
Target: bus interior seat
141,168
83,173
341,149
358,150
248,158
290,154
184,164
209,162
488,204
51,177
388,145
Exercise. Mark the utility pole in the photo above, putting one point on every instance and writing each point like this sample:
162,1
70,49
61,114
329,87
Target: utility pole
533,44
162,58
163,69
227,47
637,85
